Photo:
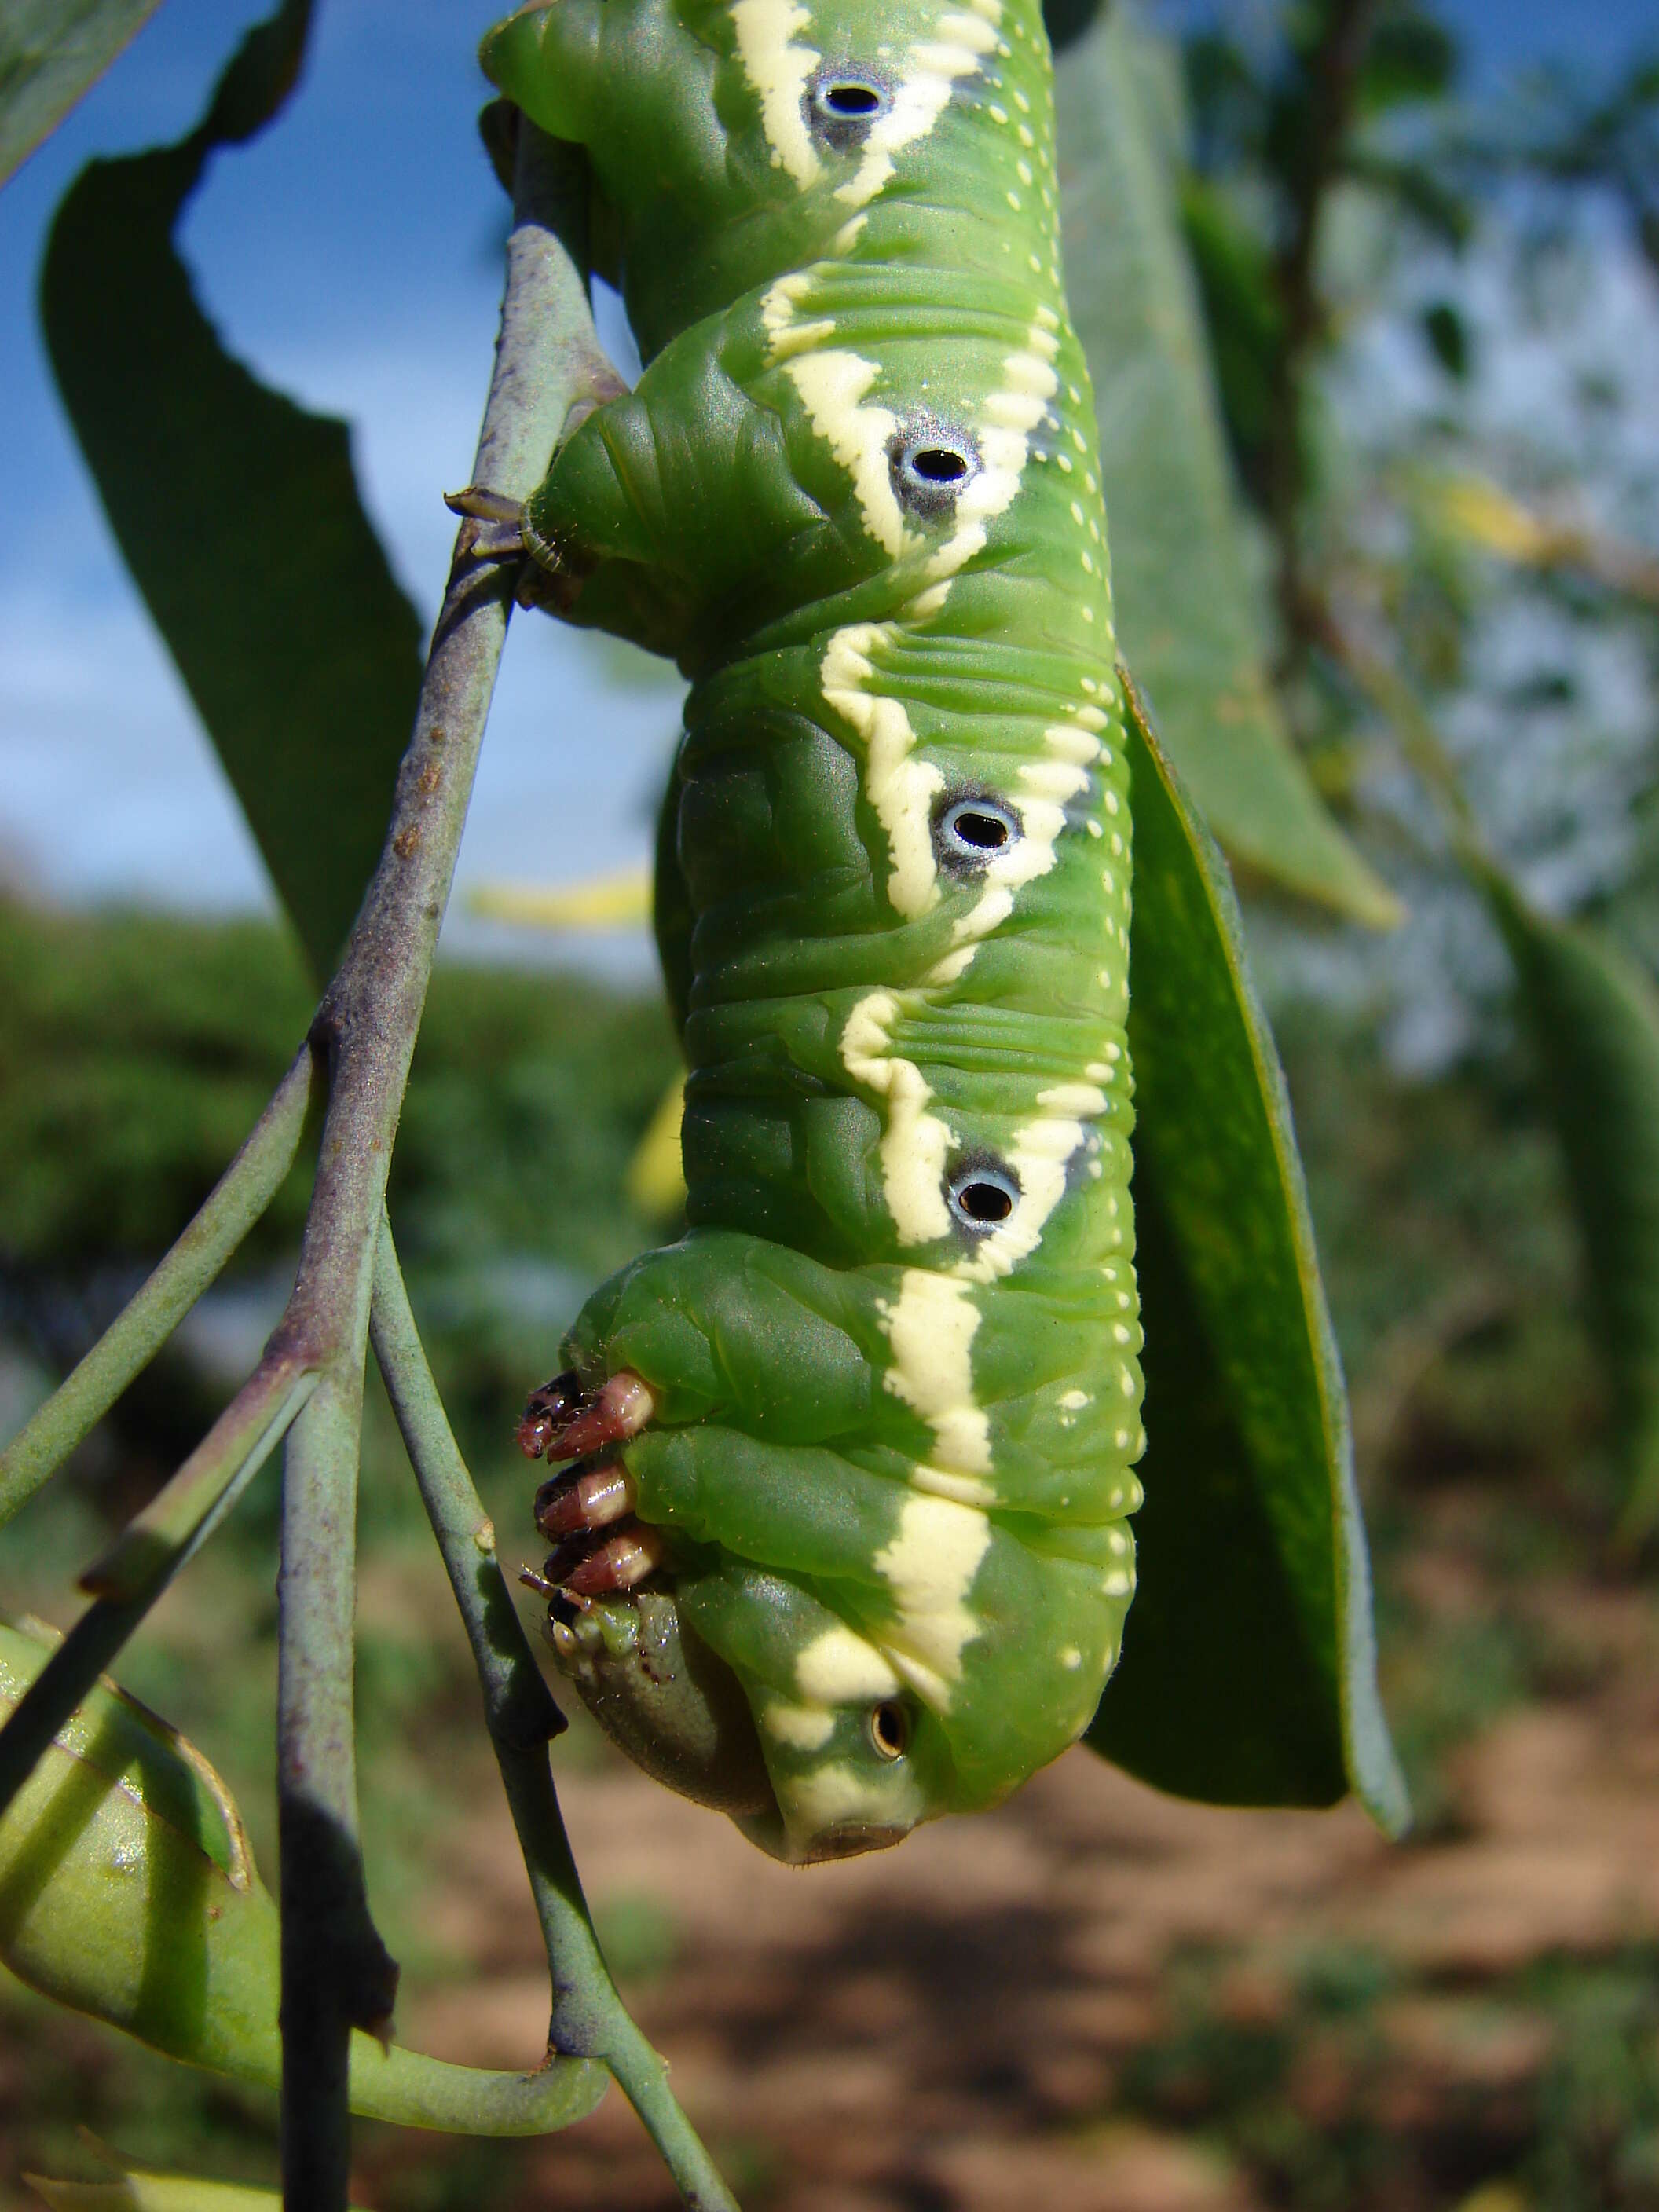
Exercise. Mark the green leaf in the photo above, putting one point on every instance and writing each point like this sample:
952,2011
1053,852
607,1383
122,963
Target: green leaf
237,513
52,53
1186,614
1249,1668
1594,1016
128,1891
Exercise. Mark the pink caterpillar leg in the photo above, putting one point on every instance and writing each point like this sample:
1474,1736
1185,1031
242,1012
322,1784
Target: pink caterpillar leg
565,1421
580,1568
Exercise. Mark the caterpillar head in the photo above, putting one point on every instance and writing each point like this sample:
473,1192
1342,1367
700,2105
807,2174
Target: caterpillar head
806,1781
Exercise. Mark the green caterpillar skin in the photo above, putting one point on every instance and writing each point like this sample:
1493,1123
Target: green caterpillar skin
856,495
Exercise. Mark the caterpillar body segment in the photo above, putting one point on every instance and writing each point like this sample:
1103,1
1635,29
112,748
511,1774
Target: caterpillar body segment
875,1415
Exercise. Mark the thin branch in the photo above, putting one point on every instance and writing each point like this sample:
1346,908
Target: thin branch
1397,701
588,2016
1331,68
336,1973
133,1338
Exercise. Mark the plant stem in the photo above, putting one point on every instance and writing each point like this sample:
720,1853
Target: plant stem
336,1973
133,1339
1397,701
588,2016
1331,65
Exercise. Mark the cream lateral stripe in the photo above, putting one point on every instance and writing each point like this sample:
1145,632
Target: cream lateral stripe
929,1567
961,1489
838,1668
930,1326
832,386
807,1727
901,789
778,70
961,37
1040,1155
915,1144
834,1794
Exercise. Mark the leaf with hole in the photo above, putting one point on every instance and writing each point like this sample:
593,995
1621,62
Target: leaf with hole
237,513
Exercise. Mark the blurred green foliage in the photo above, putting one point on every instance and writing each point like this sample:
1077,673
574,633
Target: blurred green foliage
136,1052
1304,2071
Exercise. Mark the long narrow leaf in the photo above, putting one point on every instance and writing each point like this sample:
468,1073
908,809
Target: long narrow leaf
237,513
1594,1016
1249,1668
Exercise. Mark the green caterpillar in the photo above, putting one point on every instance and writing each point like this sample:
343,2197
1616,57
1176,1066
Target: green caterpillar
846,1546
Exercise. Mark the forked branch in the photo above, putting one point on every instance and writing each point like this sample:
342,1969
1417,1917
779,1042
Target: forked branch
336,1972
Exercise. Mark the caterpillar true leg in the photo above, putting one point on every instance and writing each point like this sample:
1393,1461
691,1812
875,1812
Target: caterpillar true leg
563,1419
584,1498
587,1566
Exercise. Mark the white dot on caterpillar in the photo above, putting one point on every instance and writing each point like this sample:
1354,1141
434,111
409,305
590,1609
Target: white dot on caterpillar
1025,137
1125,1300
1117,842
1012,199
1111,796
1122,1335
1076,512
1088,480
1023,171
1095,829
1074,395
1088,612
1122,1440
1065,461
1116,1542
1091,687
1126,1383
1071,1658
1036,266
1118,1583
1080,442
999,114
1087,561
1021,101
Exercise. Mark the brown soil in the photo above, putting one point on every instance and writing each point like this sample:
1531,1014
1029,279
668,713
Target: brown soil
953,2024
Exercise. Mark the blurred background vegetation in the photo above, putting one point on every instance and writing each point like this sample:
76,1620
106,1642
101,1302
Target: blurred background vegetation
1431,311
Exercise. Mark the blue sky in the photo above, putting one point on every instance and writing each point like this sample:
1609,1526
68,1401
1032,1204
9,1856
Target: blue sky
350,255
